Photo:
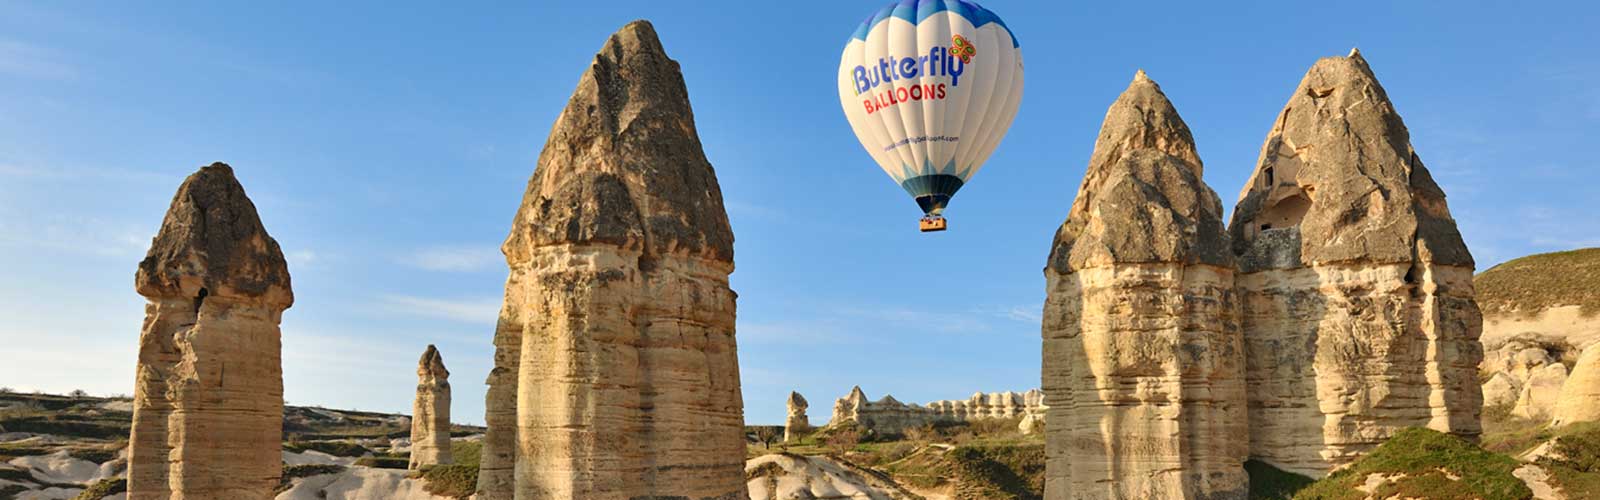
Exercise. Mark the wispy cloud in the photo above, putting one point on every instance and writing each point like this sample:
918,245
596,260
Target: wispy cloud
32,61
476,310
300,258
74,174
454,258
79,235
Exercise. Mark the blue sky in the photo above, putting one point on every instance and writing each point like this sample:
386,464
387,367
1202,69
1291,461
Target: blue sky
386,146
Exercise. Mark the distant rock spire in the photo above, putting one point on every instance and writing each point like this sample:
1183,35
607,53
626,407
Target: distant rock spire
430,413
208,401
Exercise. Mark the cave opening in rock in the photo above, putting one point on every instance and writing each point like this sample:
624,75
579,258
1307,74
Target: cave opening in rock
1286,212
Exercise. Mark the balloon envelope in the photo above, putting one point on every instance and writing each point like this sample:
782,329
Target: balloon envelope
930,87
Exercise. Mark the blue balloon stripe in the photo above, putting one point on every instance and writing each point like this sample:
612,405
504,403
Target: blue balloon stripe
916,11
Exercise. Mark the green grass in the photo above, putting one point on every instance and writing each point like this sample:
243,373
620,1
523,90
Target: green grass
335,448
1424,456
1540,281
104,488
1271,483
456,481
1575,465
466,452
998,472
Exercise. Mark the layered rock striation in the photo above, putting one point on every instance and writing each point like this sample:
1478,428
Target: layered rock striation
430,412
208,400
1357,290
1143,355
615,374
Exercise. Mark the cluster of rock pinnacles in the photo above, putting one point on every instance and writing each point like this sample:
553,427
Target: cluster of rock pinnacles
1334,310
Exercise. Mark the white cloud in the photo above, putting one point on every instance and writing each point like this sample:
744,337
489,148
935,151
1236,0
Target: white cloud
455,258
80,235
480,311
300,258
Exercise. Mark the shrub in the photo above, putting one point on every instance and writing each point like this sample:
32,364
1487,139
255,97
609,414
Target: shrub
335,448
455,480
844,439
1271,483
384,462
10,474
104,488
96,455
1575,463
292,472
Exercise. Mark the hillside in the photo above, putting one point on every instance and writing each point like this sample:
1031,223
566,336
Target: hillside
1533,283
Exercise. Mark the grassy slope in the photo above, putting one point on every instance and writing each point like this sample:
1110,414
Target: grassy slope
1427,459
1539,281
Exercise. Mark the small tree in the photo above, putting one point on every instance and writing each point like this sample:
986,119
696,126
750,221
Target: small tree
78,393
766,434
844,439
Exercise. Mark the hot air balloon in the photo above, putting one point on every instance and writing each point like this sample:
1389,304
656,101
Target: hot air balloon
930,87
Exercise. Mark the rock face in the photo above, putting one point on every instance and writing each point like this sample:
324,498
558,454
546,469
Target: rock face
889,415
615,374
793,477
1143,362
797,423
1359,316
208,402
1539,394
430,414
1580,395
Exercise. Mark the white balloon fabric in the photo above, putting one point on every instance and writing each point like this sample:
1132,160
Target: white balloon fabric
930,87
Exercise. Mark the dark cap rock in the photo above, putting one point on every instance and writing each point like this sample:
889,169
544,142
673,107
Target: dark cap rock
1142,199
623,164
212,244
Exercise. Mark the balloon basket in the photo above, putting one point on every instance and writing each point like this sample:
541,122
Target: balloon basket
931,224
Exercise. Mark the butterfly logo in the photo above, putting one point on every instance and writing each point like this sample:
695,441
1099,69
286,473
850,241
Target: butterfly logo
962,49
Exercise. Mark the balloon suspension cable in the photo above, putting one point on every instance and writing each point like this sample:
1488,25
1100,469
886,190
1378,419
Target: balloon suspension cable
931,223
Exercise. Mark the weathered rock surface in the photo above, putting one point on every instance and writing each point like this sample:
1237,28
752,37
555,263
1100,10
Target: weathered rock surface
791,477
359,483
889,415
208,402
1580,394
430,413
1538,397
1501,390
797,423
1143,362
1359,316
615,374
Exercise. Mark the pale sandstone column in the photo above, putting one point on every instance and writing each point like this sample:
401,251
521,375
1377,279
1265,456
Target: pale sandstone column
430,413
208,403
1359,316
1143,354
797,421
615,348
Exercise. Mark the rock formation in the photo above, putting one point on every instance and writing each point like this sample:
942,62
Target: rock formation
1539,393
1143,362
1359,317
797,423
1580,395
1533,298
430,413
615,375
208,402
889,415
